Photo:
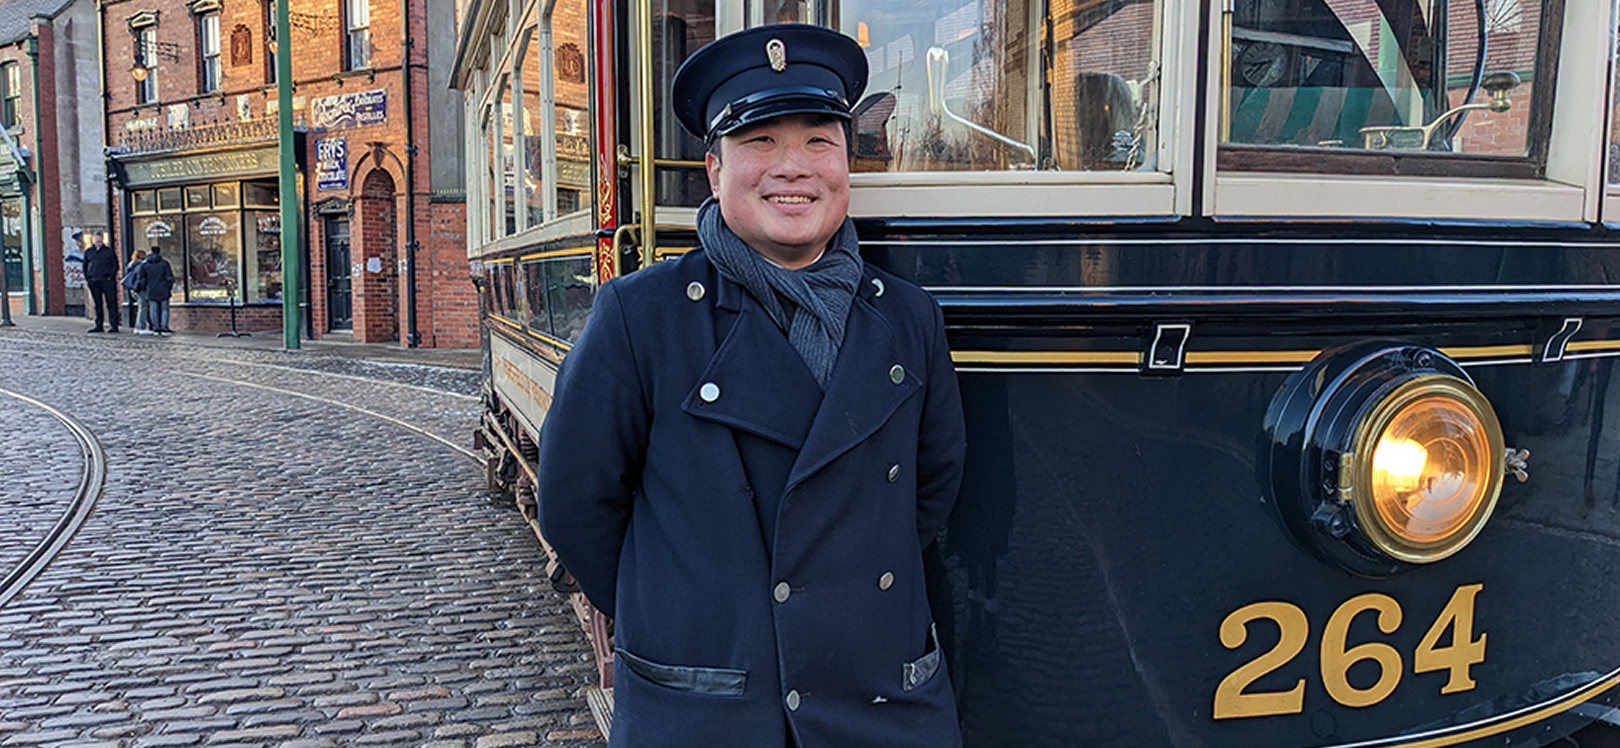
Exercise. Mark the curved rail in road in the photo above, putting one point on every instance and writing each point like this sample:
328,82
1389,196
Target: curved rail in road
91,483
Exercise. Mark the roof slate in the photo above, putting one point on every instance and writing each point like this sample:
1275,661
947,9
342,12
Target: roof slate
15,15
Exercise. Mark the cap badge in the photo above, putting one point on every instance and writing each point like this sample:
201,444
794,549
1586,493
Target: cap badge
777,52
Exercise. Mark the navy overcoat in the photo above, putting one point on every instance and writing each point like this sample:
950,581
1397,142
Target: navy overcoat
680,415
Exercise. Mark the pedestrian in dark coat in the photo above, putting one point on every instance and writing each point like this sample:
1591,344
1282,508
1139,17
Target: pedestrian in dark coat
101,279
157,282
750,446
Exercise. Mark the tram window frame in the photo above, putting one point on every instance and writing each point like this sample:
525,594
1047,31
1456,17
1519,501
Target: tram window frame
1165,191
1564,187
1609,174
1293,159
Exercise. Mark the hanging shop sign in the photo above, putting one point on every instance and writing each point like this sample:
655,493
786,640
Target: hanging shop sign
331,164
357,109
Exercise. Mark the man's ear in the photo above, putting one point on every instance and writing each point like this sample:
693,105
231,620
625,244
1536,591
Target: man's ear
711,164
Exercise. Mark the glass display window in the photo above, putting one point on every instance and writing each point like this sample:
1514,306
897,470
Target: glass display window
261,195
213,261
164,233
199,198
143,201
170,201
225,195
11,243
263,256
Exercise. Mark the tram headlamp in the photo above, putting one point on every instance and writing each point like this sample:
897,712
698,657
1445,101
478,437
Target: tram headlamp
1383,456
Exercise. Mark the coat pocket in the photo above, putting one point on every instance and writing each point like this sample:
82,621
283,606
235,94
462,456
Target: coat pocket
919,671
704,680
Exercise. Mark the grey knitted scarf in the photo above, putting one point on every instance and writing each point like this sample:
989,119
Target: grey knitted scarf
810,304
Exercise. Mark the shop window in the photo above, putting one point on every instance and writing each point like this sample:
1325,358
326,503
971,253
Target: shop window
197,198
263,256
225,195
170,201
162,232
145,70
209,71
143,201
990,85
357,34
1364,86
261,195
10,93
213,248
11,243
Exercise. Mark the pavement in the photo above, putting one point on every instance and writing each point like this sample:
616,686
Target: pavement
291,548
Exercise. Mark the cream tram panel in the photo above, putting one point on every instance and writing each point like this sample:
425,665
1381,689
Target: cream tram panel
525,384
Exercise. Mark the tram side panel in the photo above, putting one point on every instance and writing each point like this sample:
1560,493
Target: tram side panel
1118,572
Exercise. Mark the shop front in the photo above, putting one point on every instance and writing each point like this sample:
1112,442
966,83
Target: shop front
216,218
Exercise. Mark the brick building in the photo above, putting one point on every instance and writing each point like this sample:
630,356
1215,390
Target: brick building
191,116
53,187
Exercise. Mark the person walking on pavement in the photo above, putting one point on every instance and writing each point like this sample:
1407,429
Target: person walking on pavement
133,287
751,446
157,281
101,277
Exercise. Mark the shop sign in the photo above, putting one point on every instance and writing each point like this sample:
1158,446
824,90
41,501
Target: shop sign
147,123
357,109
159,229
270,224
204,166
212,226
331,164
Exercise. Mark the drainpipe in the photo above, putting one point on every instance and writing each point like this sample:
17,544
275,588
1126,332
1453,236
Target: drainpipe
39,169
413,337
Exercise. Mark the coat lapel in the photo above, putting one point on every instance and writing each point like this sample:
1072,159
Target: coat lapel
861,395
759,383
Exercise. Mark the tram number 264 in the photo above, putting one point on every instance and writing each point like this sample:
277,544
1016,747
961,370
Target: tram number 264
1234,700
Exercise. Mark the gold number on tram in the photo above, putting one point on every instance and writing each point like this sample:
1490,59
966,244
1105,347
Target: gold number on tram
1336,660
1463,652
1293,629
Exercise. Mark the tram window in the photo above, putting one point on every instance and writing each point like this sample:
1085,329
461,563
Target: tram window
976,85
492,160
1614,114
570,101
687,26
1355,78
534,283
570,289
508,162
534,117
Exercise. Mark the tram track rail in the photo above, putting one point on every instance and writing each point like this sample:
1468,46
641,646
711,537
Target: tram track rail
92,482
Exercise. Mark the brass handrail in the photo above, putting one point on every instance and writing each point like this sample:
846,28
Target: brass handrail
648,183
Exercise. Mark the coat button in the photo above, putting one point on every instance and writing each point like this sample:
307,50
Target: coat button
894,473
694,291
897,374
878,284
886,581
710,392
793,701
781,592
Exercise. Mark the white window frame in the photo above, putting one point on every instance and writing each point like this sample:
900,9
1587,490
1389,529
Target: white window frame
1567,194
210,67
146,91
1610,210
356,22
11,93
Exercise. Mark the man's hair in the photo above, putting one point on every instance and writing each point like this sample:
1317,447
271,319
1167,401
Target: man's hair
156,250
849,137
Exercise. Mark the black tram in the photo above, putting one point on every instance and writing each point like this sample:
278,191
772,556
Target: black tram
1285,330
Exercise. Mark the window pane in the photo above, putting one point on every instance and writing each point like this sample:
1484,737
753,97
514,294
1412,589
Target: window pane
212,247
1362,74
225,195
571,97
144,201
196,197
261,195
1614,109
264,257
534,143
11,239
687,26
169,200
1006,84
570,288
534,284
508,162
163,232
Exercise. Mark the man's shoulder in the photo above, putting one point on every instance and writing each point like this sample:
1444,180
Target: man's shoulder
882,284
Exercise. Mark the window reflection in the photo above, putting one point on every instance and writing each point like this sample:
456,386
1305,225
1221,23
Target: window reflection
1006,84
1381,74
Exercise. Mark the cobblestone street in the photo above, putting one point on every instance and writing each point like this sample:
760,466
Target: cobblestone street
291,548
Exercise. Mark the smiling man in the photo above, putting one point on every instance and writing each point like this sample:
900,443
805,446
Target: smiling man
750,446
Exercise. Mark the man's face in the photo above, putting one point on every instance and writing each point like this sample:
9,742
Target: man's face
783,185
